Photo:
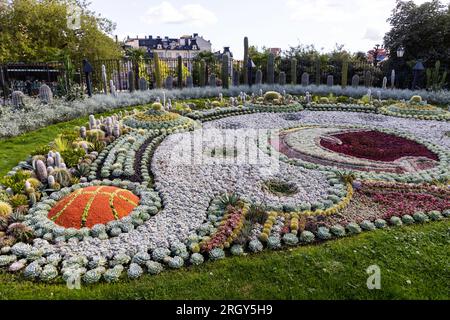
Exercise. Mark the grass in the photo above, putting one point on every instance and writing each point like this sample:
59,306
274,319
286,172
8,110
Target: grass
414,264
16,149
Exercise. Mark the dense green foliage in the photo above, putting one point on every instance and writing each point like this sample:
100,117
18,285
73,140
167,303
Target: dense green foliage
37,30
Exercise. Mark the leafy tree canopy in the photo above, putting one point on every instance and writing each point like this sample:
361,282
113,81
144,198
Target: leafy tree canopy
37,30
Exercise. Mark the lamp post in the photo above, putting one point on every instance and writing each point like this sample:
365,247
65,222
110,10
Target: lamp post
400,54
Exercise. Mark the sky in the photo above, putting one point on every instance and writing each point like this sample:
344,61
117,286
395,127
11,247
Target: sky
356,24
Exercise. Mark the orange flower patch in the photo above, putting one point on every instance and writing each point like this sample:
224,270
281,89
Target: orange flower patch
93,205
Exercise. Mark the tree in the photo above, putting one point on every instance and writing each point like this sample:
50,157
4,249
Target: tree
37,30
424,32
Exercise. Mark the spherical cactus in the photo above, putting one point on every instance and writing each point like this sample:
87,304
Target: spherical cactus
5,209
45,94
270,96
62,177
416,99
157,106
17,98
83,132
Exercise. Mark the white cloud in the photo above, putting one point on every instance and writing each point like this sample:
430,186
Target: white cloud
372,34
191,14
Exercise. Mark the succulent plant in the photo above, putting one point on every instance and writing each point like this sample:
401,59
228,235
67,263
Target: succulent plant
5,209
45,94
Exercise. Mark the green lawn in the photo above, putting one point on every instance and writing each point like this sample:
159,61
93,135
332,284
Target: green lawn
414,264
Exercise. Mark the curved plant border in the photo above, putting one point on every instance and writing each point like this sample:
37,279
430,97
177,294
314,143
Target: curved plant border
438,117
37,217
442,171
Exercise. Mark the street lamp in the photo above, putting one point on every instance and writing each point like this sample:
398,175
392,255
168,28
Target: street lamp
400,52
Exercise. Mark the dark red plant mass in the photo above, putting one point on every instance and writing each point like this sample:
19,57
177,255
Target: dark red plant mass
376,145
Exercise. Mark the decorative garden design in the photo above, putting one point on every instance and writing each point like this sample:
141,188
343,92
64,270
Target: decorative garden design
127,192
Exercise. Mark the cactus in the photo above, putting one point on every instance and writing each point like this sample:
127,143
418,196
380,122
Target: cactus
116,130
189,82
271,69
143,84
330,80
355,81
5,209
392,79
235,77
104,79
282,78
202,75
368,79
258,77
169,83
385,80
379,94
92,122
308,98
246,57
62,177
435,81
131,84
179,72
305,79
17,99
293,71
45,94
41,170
58,160
158,75
225,72
344,76
83,132
112,88
212,80
318,72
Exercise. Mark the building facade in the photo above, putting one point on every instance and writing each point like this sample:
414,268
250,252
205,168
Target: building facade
188,47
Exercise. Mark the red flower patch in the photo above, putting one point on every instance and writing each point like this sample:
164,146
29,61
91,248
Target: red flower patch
93,205
378,146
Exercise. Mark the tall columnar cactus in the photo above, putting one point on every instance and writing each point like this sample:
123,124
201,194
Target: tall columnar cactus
258,77
246,57
143,84
41,171
131,84
271,69
104,79
179,72
344,76
305,79
318,71
235,77
435,81
51,182
293,71
212,80
112,88
169,83
92,122
282,79
202,75
392,79
116,130
225,72
385,80
45,94
355,81
17,99
189,82
330,80
368,79
158,76
58,160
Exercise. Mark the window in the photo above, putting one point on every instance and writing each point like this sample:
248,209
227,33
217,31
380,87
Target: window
194,47
159,47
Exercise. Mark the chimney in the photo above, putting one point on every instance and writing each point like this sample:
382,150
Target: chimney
150,37
195,35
